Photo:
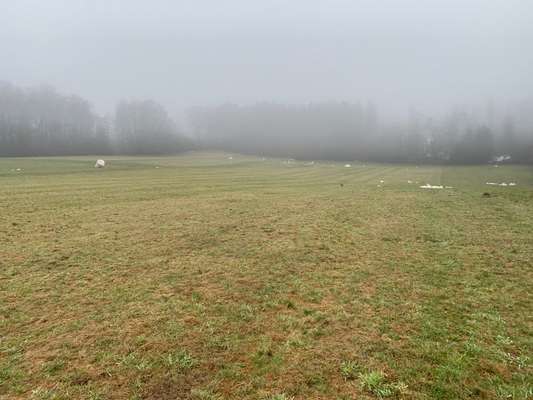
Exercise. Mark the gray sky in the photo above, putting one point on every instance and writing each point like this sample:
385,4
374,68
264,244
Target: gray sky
397,53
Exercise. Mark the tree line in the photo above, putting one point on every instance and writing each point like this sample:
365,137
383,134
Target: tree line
40,121
350,131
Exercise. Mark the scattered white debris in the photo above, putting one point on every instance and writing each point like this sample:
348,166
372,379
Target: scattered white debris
496,166
156,166
501,184
347,166
409,182
381,181
99,164
230,158
428,186
18,169
310,163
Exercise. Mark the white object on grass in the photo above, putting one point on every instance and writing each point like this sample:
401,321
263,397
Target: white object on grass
501,184
502,158
347,166
99,164
428,186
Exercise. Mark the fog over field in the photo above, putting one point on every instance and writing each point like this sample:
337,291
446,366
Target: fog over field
266,199
404,63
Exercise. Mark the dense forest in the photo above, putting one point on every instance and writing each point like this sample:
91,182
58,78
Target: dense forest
346,131
41,121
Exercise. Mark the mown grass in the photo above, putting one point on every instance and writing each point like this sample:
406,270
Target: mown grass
200,277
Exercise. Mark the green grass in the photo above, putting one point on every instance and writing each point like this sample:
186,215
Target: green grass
200,277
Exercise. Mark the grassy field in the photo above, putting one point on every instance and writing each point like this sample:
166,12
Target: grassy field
201,277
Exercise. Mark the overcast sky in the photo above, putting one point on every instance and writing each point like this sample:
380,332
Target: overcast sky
397,53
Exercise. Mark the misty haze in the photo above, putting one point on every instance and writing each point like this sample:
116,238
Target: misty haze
266,200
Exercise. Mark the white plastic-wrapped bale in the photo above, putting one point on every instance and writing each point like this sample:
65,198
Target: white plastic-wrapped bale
99,164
